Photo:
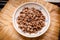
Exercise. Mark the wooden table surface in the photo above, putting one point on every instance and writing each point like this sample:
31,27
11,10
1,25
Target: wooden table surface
7,31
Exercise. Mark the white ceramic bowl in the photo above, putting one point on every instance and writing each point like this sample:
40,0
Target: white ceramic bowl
37,6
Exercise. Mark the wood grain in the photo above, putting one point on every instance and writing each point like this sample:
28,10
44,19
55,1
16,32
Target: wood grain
7,31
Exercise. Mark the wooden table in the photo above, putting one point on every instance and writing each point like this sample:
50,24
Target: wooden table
7,31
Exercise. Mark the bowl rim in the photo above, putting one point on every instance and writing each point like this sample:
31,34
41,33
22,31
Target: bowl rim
25,4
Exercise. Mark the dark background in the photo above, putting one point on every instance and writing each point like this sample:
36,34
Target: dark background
3,2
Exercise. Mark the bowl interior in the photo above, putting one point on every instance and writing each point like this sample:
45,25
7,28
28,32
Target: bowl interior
36,6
